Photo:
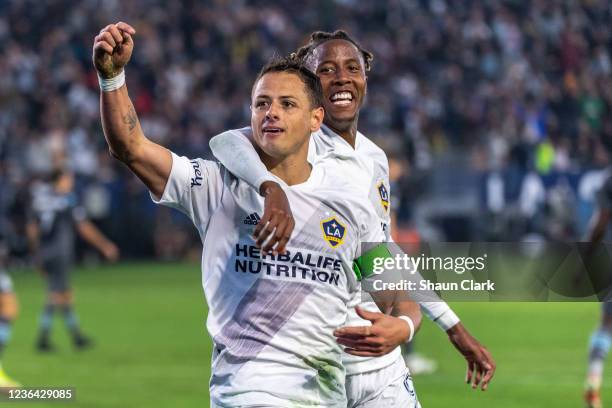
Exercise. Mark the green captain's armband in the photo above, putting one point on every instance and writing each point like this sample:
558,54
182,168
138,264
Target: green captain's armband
364,265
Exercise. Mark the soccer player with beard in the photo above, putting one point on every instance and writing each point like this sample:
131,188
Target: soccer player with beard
271,316
375,369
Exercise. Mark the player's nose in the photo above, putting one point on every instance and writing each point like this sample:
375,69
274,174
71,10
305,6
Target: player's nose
341,77
273,112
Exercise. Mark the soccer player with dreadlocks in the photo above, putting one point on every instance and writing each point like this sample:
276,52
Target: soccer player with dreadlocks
376,374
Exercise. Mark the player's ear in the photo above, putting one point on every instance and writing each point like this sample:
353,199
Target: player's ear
316,118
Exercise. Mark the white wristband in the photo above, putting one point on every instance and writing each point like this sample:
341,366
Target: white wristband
112,84
411,325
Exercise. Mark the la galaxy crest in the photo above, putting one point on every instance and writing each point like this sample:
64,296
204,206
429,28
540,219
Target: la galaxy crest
383,193
333,231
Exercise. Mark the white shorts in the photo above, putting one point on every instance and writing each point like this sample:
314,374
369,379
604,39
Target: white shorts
389,387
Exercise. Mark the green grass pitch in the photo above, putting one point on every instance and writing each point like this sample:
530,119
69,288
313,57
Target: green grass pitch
152,349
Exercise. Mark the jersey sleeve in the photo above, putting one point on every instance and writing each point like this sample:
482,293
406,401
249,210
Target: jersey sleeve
236,152
381,193
194,187
440,313
371,229
79,213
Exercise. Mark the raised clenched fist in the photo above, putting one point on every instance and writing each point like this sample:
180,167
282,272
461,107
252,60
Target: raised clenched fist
112,49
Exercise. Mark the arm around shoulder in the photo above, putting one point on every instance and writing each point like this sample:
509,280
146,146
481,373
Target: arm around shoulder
233,148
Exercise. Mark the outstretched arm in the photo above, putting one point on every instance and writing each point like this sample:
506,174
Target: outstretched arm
480,363
235,151
149,161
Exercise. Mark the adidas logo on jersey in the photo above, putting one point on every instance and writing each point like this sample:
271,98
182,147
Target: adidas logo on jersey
252,219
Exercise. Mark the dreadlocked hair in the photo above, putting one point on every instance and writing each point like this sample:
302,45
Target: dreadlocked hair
319,37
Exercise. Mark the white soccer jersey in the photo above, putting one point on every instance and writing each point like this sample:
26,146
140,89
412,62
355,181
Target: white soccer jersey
367,168
272,318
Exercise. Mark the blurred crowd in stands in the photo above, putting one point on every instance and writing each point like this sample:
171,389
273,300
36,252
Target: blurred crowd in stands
510,99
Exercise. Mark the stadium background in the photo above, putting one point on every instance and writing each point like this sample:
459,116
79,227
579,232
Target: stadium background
496,115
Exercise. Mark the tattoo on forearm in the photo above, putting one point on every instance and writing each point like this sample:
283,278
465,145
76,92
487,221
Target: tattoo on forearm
131,119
